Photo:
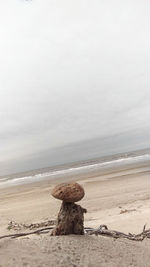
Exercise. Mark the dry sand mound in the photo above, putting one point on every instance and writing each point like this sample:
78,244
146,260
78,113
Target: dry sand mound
71,251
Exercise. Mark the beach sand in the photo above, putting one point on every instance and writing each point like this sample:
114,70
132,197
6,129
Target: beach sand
119,199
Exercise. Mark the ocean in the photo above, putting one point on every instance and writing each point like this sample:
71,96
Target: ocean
134,161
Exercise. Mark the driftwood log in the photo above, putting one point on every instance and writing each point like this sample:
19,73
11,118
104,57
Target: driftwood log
70,220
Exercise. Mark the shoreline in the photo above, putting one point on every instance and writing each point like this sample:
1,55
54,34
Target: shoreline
122,169
101,166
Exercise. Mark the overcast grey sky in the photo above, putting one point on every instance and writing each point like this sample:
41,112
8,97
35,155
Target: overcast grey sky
71,71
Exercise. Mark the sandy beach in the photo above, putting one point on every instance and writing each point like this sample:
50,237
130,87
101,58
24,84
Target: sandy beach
119,199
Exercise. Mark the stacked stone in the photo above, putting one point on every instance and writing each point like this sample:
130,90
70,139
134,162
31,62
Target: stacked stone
71,216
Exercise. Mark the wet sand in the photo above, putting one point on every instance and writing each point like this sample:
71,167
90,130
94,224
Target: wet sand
119,199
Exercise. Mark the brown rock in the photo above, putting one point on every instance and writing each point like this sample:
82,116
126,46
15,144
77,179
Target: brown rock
72,192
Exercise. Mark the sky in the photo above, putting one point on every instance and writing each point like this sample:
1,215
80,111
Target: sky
70,71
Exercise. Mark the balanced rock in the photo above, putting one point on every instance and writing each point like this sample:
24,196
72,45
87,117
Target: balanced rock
72,192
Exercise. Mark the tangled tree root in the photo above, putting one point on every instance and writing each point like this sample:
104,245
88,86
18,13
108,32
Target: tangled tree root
19,226
102,230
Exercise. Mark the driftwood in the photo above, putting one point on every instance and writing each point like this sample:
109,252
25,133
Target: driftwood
102,230
19,226
70,220
39,231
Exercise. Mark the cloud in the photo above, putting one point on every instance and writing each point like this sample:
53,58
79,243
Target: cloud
71,71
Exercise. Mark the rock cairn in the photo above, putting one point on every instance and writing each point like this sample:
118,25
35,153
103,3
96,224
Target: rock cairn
71,216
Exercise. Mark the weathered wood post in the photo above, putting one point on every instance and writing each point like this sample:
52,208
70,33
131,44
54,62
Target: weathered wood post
71,216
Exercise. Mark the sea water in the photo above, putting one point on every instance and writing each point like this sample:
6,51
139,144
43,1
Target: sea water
83,167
